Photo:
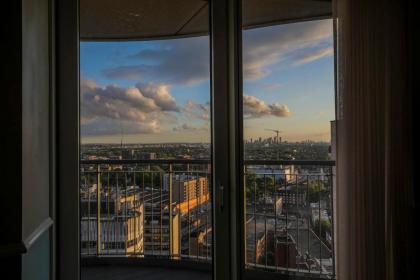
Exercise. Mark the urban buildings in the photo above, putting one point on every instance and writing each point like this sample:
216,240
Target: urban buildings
141,220
120,227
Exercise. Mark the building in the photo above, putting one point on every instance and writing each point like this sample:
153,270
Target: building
256,238
280,174
127,154
200,243
161,230
293,198
119,234
319,211
286,252
187,187
145,156
279,206
120,227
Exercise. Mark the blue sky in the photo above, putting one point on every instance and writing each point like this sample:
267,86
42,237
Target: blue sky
159,91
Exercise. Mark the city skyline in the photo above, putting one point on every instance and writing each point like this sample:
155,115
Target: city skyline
159,91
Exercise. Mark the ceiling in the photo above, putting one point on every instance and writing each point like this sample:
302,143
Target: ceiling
157,19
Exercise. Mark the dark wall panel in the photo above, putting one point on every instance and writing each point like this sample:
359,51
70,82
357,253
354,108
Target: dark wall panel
35,115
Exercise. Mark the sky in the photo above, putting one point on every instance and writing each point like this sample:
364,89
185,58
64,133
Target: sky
159,91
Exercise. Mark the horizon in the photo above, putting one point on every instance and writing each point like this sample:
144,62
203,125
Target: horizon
208,143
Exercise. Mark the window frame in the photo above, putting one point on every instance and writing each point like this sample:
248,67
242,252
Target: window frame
227,141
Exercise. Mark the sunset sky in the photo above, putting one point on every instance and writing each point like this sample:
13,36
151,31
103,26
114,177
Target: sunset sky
159,91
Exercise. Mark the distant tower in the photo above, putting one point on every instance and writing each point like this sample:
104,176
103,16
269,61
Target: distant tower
121,144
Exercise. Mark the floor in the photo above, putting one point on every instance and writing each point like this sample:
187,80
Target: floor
120,272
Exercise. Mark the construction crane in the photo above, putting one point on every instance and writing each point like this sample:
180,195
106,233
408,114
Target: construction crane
277,133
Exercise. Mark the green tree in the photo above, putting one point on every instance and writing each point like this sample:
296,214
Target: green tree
259,184
314,189
324,226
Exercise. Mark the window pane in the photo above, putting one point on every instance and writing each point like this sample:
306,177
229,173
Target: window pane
288,113
145,190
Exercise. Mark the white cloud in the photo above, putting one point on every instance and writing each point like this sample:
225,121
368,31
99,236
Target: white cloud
197,110
160,94
267,46
110,109
255,108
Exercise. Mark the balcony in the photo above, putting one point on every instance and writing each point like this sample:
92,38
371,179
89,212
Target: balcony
155,216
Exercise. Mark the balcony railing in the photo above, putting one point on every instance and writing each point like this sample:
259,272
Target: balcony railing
162,209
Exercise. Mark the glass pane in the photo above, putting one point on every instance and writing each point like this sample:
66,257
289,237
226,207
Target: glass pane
145,190
288,119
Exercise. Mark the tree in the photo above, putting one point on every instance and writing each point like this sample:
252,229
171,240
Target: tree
325,227
259,184
314,189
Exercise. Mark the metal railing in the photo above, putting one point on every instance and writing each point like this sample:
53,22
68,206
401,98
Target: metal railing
162,209
289,217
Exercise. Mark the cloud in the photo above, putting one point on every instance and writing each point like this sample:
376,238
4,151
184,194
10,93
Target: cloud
271,86
130,72
183,61
256,108
160,94
267,46
99,127
189,127
187,60
197,110
110,109
253,108
312,56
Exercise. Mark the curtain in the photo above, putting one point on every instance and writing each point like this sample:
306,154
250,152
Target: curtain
374,193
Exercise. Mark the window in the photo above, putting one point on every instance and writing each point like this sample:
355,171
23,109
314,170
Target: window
288,117
161,138
145,133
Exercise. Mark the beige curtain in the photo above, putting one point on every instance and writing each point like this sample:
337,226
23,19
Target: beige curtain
374,190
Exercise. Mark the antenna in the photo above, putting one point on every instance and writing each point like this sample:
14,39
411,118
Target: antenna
277,139
122,136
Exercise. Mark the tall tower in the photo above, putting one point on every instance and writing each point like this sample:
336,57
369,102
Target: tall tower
121,144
